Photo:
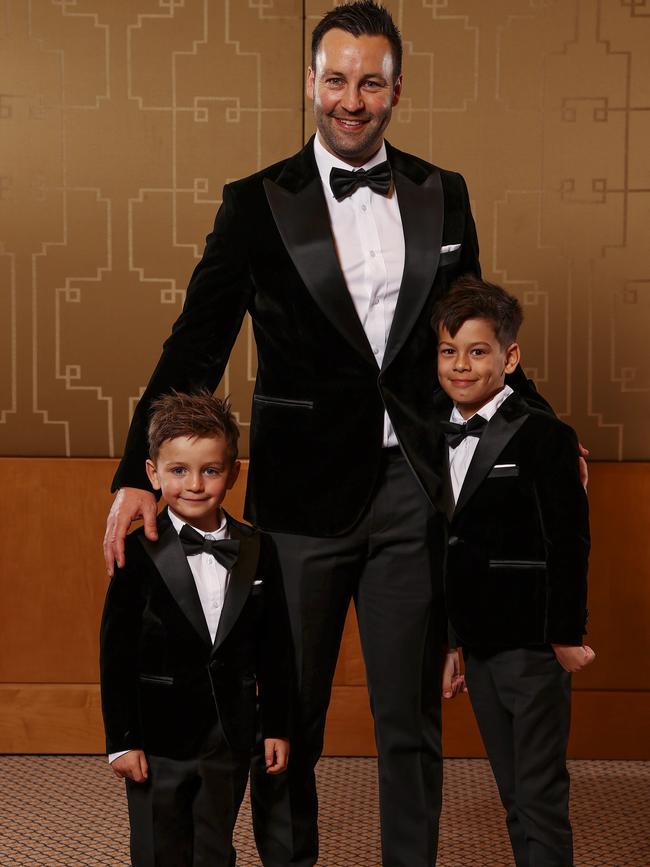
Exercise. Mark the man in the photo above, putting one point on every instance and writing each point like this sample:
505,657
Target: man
339,273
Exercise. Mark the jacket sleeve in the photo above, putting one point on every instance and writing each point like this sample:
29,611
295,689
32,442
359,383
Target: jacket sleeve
275,667
196,352
564,514
118,660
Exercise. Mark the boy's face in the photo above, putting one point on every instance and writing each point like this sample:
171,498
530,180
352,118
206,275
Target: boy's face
194,474
472,365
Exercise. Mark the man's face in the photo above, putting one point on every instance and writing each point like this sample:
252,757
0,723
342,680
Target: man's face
354,91
472,364
194,474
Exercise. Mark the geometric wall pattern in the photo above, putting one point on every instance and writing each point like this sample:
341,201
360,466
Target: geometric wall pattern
120,122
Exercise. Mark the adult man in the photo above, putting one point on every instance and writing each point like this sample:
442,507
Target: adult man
340,281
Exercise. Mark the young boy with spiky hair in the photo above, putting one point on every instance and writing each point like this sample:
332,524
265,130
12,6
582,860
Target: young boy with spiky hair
517,545
194,635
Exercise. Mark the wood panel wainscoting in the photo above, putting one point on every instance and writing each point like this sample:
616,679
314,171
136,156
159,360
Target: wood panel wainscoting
52,584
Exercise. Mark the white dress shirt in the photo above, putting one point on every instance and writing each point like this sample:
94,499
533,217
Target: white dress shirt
369,240
211,580
461,457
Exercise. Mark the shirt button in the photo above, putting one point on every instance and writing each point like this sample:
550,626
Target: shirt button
375,302
375,349
364,208
372,254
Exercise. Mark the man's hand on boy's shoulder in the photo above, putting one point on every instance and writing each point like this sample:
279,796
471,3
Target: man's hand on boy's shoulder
131,766
276,755
129,505
573,659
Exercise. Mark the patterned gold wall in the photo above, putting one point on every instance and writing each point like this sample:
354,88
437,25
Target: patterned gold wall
120,121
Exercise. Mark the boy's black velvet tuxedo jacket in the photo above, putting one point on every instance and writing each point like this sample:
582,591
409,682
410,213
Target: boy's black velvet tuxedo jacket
164,684
318,406
517,541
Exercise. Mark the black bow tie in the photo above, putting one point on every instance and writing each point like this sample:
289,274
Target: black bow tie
344,183
456,433
224,551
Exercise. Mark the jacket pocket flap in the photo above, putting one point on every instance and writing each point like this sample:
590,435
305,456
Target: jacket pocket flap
503,471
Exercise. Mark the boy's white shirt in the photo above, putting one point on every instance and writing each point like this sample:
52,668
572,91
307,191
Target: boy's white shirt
461,457
211,581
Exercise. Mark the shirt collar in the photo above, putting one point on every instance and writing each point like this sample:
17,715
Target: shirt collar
487,410
327,161
220,533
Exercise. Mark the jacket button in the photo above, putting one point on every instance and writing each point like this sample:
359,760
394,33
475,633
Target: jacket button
453,540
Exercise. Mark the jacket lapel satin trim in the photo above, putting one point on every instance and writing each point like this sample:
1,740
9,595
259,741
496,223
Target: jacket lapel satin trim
240,581
421,205
170,560
298,205
510,416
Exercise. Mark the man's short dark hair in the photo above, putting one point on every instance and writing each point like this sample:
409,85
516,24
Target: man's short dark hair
191,415
472,298
361,18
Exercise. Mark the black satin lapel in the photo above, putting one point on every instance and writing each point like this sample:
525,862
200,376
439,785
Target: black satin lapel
170,560
240,582
303,221
498,433
422,210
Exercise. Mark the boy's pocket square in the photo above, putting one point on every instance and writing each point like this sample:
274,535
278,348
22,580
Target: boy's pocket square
502,471
258,582
449,248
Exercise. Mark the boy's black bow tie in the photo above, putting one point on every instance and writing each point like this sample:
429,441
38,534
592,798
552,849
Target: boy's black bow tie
224,551
456,433
344,183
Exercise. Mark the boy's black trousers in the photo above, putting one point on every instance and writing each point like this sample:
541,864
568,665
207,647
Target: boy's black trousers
522,702
184,815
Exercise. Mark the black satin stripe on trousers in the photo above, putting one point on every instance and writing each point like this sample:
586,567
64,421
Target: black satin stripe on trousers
385,565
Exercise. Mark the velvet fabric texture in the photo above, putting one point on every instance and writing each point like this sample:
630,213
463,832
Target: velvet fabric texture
517,541
164,683
317,416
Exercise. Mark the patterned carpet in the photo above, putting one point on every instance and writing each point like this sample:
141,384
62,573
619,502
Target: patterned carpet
70,810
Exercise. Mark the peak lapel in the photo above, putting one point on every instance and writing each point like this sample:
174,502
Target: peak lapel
170,560
300,212
502,427
239,584
421,204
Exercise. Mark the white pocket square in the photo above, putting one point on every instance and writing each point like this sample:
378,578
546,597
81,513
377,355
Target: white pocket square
259,581
449,248
502,466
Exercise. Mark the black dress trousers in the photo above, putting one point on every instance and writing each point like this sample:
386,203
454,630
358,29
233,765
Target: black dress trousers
185,813
522,702
385,564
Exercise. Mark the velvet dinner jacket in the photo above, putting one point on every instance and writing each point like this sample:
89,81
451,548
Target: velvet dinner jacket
319,398
517,540
164,683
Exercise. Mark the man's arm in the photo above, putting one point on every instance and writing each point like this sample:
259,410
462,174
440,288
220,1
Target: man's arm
194,357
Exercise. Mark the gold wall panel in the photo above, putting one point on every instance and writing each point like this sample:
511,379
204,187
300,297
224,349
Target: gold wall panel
120,122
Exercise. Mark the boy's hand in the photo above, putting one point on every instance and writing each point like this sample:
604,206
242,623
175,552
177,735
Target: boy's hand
129,505
453,681
276,755
573,659
582,465
131,766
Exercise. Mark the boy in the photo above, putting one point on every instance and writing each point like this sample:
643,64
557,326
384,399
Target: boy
517,545
193,626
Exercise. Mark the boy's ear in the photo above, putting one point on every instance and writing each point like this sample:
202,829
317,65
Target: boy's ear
233,474
513,357
152,474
